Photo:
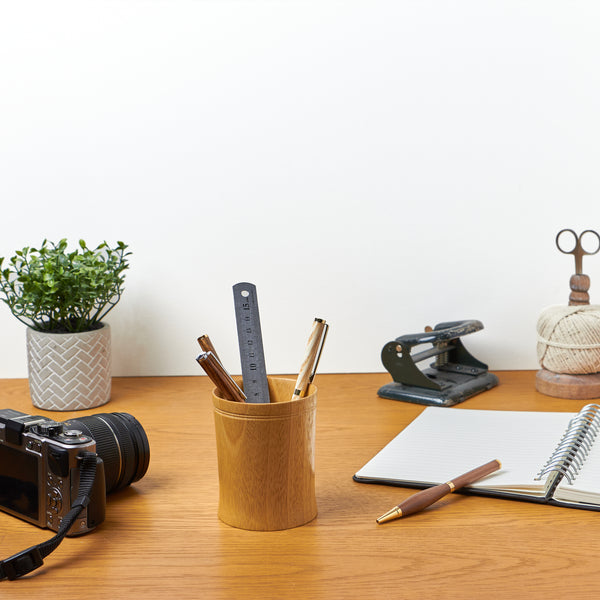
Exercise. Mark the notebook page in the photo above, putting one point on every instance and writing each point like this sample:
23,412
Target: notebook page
442,443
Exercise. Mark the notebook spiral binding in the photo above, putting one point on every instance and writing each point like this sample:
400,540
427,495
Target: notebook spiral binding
572,450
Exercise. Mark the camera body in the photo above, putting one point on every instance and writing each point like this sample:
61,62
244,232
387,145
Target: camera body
40,470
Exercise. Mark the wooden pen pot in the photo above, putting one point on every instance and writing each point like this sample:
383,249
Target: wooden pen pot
266,458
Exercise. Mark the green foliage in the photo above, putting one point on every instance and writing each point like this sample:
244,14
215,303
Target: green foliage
52,289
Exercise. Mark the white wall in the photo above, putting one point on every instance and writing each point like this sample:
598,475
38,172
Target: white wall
384,164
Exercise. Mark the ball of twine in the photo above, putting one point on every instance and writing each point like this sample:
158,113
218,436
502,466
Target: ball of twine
569,339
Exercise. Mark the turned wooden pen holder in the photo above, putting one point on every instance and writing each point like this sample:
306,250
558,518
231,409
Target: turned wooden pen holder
266,459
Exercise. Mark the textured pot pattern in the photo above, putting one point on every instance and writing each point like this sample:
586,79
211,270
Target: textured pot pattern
69,371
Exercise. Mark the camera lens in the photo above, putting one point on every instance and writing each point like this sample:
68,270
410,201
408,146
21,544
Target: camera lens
121,443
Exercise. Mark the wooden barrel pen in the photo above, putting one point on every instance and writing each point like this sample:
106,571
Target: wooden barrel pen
427,497
221,378
206,345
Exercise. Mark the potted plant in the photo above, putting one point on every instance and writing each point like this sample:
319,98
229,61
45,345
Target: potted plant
63,296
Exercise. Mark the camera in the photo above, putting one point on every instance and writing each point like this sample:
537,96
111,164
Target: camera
40,462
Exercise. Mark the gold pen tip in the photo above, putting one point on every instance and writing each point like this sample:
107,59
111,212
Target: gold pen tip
390,515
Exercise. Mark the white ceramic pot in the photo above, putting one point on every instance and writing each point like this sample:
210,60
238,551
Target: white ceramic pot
69,371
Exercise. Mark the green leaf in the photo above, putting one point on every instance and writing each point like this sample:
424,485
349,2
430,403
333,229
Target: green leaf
52,289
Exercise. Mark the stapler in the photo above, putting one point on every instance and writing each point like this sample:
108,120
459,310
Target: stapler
454,376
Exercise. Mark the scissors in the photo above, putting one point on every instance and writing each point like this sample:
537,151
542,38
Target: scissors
577,249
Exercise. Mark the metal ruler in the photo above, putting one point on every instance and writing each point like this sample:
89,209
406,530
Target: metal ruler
254,371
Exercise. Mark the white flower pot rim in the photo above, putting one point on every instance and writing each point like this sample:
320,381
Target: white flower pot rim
101,325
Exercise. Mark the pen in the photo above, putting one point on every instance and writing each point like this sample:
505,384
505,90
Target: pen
228,388
314,347
207,346
427,497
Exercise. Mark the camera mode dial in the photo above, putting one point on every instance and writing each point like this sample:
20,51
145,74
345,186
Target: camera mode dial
50,428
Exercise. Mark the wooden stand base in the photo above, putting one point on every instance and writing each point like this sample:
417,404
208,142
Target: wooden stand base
563,385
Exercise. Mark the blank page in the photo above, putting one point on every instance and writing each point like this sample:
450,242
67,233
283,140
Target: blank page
443,443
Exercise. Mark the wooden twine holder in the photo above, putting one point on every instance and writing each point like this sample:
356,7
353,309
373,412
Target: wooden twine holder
583,386
266,459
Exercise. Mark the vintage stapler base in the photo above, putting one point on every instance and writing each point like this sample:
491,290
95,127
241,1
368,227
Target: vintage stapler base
455,376
460,389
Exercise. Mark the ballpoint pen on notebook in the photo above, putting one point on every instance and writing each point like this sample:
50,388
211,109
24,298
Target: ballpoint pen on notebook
314,348
427,497
220,377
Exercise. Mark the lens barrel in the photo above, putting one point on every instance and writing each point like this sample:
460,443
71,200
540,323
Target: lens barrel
121,443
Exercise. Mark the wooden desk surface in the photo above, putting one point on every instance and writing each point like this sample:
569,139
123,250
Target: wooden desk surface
162,537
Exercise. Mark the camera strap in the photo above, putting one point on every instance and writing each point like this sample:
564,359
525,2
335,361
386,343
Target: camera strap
28,560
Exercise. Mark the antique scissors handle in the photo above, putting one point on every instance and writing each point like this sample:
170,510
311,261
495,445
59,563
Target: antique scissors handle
577,250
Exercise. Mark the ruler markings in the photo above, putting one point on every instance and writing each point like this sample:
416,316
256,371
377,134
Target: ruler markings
254,372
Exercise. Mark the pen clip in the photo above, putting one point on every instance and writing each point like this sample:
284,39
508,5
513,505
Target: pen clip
321,344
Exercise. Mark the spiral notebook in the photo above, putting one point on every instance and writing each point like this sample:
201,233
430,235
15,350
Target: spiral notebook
551,458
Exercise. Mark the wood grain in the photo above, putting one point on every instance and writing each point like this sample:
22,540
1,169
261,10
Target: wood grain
564,385
162,537
580,284
266,459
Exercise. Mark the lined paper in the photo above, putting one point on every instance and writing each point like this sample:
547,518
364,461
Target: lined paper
442,443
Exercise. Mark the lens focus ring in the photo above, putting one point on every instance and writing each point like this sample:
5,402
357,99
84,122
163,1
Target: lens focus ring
121,443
